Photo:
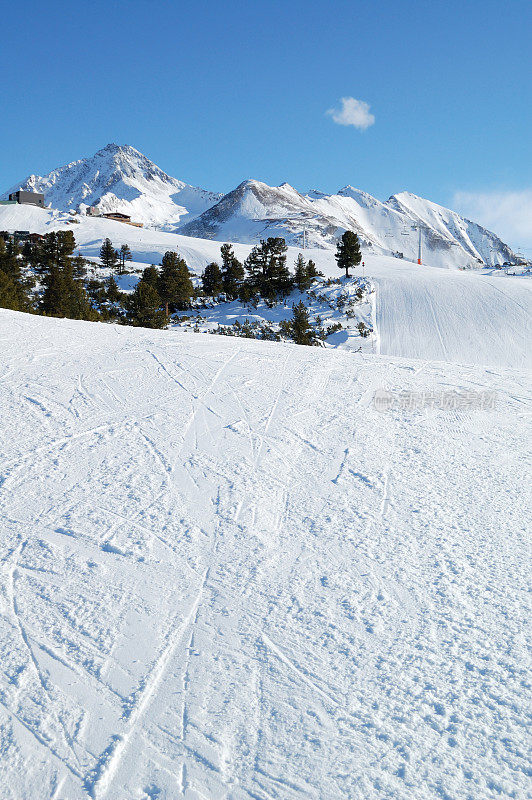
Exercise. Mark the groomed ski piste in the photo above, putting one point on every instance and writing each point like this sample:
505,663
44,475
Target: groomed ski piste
240,569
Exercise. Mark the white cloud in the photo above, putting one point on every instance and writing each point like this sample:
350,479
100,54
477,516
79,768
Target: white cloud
353,112
508,214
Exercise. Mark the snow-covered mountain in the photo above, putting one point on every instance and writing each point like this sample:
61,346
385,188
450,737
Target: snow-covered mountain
255,210
120,178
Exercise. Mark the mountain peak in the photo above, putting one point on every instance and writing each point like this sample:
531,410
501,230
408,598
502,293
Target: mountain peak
125,154
287,187
414,203
356,194
255,211
119,177
250,183
259,186
347,189
113,147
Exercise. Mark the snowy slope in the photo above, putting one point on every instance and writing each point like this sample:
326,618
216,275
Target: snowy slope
447,229
119,178
421,312
148,245
255,210
426,314
225,574
447,315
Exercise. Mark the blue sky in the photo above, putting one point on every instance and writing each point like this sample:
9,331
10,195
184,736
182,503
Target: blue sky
217,92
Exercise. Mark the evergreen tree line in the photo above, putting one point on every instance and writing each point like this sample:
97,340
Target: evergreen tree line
161,292
60,277
114,259
264,274
47,277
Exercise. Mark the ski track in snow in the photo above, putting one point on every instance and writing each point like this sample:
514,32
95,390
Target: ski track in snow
225,574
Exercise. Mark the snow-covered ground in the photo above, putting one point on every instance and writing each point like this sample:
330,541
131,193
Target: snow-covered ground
226,574
347,304
449,315
418,312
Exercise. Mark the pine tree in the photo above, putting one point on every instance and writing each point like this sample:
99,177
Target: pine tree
66,244
302,331
51,301
212,280
312,272
151,275
124,254
10,265
144,307
56,248
256,269
233,272
9,296
299,328
112,291
64,295
301,275
175,283
248,293
279,282
348,252
268,274
79,267
27,252
63,292
108,255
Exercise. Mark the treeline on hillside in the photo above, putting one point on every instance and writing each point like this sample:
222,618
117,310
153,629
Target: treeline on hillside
46,276
264,274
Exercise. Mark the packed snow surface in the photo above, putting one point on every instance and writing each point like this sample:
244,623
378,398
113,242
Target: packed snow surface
226,574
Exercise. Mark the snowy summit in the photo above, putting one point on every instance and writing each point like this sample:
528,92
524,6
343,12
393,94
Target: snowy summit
120,178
